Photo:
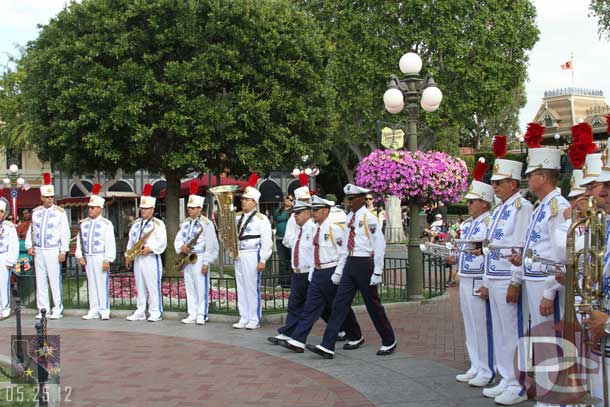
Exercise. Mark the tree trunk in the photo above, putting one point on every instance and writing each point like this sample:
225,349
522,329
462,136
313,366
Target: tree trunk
172,213
343,159
394,232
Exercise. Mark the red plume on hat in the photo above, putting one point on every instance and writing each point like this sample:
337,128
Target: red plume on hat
253,179
582,133
46,178
533,135
480,169
96,189
147,190
499,146
194,186
577,154
303,179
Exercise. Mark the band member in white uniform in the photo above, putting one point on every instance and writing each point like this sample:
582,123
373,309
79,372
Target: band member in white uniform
255,247
49,245
9,252
508,227
147,266
197,235
95,250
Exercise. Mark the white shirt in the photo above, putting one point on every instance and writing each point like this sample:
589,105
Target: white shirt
470,265
330,242
207,243
51,229
291,227
258,225
157,241
368,238
9,243
97,238
305,247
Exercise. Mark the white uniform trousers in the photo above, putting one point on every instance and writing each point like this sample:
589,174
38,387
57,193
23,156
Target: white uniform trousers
148,270
248,287
596,379
98,282
197,289
477,328
505,326
48,272
5,286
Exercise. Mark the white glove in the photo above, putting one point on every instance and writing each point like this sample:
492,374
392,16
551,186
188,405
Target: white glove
376,279
309,275
336,278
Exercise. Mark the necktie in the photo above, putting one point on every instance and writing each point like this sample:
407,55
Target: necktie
296,250
316,248
352,234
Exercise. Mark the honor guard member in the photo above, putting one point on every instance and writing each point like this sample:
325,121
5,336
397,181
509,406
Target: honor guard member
9,252
507,228
49,244
255,247
300,194
470,270
360,268
302,264
197,236
149,236
328,244
95,250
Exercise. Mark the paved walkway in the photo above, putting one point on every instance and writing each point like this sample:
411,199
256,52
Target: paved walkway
120,363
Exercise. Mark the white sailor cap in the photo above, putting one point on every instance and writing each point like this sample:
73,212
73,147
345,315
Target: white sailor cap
543,159
317,202
575,188
195,201
592,168
302,194
2,205
300,206
506,169
353,190
480,190
604,176
252,193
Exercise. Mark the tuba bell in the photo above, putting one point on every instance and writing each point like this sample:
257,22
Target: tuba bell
226,220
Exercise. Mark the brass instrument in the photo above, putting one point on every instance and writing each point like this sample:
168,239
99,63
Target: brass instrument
590,261
227,223
453,244
435,249
136,249
530,258
190,258
488,248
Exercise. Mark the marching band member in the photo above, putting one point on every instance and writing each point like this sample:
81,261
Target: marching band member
328,243
508,227
147,266
49,246
300,194
197,235
360,268
95,250
255,248
475,309
9,252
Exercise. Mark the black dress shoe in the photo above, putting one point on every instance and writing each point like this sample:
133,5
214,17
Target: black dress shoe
273,340
341,338
291,347
349,346
387,351
319,351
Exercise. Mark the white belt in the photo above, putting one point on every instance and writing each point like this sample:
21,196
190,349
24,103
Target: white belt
359,253
327,265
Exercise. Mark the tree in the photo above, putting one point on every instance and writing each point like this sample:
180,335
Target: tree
14,128
601,10
172,86
475,49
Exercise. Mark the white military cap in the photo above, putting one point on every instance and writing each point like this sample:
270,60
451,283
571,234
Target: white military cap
2,205
95,199
506,169
252,193
302,194
317,202
195,201
604,176
480,190
592,168
147,201
353,190
575,188
47,189
300,206
543,158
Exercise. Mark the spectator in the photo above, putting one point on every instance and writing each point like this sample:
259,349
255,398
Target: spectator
376,210
280,219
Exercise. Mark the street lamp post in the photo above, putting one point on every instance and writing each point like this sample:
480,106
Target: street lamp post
412,92
556,137
13,180
521,141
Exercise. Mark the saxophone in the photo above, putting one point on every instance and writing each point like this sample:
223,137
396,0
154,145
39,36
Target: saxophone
136,249
190,258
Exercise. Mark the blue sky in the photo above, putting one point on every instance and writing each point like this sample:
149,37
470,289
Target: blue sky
564,25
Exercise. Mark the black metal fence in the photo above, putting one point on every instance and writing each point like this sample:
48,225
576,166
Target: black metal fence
223,297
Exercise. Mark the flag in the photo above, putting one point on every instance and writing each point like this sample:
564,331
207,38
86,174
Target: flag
567,65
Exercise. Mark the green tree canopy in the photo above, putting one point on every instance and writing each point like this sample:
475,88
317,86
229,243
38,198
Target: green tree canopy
601,10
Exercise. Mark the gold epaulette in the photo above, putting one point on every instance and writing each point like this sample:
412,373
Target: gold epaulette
82,220
205,220
341,225
260,216
487,220
157,221
240,213
518,203
554,207
37,208
59,208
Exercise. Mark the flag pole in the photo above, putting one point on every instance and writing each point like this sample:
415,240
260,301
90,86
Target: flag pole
572,66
